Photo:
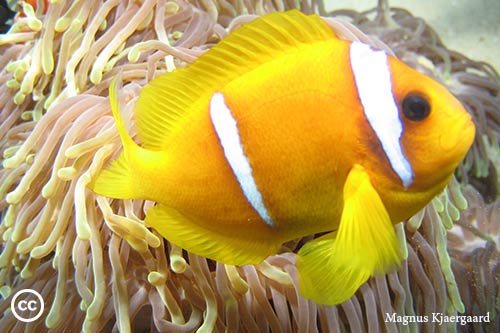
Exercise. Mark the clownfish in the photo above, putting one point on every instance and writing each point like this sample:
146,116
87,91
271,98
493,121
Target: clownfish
283,130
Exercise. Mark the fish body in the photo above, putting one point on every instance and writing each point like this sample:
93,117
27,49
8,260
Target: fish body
283,130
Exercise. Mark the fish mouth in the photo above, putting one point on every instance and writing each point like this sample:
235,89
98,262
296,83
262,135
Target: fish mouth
458,139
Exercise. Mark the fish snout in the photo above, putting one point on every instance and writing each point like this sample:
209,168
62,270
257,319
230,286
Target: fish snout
458,137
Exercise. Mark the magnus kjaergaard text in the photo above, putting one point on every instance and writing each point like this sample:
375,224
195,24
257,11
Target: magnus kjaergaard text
436,317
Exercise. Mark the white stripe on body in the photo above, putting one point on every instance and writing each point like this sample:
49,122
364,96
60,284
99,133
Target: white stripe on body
227,130
373,82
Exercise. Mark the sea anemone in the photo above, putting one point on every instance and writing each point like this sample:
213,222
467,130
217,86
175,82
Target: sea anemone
95,261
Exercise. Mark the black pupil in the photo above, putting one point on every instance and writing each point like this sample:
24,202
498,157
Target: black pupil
416,107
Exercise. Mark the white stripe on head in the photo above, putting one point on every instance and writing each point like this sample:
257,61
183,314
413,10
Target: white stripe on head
373,82
227,130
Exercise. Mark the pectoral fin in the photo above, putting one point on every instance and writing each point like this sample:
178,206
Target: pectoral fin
331,268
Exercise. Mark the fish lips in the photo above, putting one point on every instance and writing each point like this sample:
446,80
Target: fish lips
458,139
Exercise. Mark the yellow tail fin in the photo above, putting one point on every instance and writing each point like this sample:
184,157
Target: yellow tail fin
116,180
331,268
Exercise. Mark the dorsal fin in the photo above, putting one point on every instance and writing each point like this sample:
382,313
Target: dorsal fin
167,98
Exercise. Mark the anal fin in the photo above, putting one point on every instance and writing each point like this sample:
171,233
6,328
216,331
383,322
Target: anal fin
332,267
229,245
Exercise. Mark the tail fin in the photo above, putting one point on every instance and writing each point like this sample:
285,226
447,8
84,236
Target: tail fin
116,180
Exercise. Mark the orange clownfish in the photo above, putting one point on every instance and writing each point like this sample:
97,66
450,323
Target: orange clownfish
283,130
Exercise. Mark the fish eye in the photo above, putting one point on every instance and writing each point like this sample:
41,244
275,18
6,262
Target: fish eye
416,107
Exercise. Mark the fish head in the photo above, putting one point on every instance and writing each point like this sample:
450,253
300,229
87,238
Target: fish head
437,129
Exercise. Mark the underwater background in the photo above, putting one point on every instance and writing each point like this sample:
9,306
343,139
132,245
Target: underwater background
469,27
93,259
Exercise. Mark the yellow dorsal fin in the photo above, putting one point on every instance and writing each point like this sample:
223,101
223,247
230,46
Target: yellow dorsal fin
168,97
332,267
